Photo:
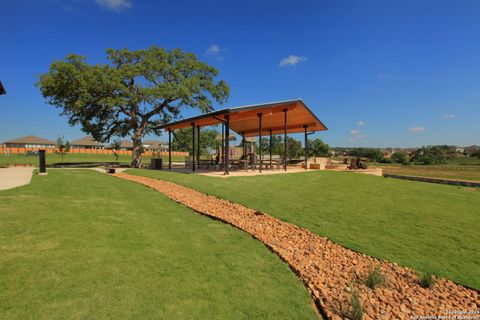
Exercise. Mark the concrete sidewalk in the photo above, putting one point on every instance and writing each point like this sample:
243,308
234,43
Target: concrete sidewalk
15,177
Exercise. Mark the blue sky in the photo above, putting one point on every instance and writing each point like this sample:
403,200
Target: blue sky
378,73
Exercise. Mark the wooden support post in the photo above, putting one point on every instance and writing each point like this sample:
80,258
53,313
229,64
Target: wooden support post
198,147
305,147
227,144
244,151
223,146
193,146
169,149
260,139
285,140
270,148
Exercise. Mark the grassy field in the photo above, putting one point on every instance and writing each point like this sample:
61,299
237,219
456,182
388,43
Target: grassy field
432,228
455,172
53,158
123,251
467,168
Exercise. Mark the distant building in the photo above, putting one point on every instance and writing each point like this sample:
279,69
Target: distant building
124,145
154,145
148,145
459,149
30,142
471,149
86,142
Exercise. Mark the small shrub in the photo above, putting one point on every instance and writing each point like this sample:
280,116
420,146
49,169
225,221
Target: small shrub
400,157
427,280
429,155
356,311
375,278
386,160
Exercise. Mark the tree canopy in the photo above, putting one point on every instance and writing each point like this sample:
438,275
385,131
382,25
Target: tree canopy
317,148
277,145
429,155
182,140
400,157
132,95
294,148
373,154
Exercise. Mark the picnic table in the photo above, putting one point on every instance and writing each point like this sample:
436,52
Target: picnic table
245,164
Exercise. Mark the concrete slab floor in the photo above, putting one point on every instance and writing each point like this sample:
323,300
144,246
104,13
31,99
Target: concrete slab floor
15,177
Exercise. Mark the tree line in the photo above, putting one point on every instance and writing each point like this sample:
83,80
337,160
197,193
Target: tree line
182,141
426,155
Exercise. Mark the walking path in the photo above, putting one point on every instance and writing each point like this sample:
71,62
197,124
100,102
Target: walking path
19,176
15,177
331,272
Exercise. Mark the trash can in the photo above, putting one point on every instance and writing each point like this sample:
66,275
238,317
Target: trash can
156,164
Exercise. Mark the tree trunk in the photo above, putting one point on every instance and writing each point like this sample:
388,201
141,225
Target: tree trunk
137,151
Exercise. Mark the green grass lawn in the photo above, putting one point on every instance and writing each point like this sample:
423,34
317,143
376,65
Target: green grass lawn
53,158
119,250
432,228
446,171
463,168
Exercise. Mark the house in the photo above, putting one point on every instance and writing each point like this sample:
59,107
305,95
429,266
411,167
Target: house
30,142
124,145
460,150
148,145
86,142
155,145
472,149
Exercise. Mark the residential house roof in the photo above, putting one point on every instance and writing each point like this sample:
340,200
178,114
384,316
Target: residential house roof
86,141
30,140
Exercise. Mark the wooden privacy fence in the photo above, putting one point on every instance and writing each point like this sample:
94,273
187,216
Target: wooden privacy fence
6,151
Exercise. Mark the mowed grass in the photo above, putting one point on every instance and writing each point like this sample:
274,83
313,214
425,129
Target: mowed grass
429,227
53,158
77,244
448,171
462,168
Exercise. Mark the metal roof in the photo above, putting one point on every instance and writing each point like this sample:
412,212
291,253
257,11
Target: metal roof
244,119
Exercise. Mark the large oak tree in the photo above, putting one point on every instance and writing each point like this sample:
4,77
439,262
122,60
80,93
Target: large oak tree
133,94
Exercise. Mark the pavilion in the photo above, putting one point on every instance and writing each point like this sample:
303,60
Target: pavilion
283,117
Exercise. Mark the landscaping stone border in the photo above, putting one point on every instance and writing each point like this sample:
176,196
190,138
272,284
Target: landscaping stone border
331,272
465,183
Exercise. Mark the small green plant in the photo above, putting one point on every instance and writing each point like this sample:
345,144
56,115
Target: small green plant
63,146
375,277
356,311
116,146
427,280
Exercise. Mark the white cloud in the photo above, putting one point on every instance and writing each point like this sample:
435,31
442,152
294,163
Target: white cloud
291,60
448,116
361,123
416,129
213,49
357,137
115,5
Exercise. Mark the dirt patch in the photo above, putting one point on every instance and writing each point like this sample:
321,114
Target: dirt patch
331,272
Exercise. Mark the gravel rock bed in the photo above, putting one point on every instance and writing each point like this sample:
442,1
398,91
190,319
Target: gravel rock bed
331,272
